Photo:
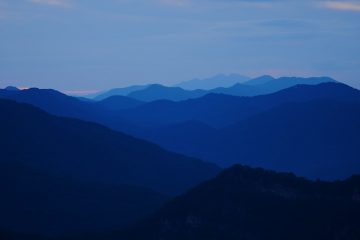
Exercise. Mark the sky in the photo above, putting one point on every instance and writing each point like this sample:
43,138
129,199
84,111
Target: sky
82,46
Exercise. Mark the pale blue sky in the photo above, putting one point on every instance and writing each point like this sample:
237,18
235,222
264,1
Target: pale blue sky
86,45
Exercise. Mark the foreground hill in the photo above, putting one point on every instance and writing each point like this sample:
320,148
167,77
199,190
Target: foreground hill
245,203
92,152
37,203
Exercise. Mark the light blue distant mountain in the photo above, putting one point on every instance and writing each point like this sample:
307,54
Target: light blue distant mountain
267,84
160,92
241,87
11,88
220,80
119,102
119,91
259,80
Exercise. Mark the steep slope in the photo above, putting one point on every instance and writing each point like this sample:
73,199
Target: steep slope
159,92
91,152
37,203
245,203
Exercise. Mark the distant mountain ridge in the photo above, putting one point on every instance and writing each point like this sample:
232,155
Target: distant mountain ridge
158,92
220,80
219,110
240,86
119,92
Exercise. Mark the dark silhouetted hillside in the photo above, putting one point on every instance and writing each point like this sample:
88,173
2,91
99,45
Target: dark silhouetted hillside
60,104
245,203
40,204
91,152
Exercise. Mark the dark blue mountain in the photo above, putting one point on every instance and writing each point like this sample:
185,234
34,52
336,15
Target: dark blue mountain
218,110
220,80
119,92
91,152
60,104
302,111
160,92
115,103
37,203
316,139
254,204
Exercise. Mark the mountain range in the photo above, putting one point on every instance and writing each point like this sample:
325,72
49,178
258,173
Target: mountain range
293,130
220,80
128,167
252,87
212,127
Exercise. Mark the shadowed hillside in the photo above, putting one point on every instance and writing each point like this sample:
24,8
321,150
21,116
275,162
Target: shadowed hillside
92,152
41,204
245,203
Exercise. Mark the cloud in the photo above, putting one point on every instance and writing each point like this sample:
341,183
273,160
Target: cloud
344,6
55,3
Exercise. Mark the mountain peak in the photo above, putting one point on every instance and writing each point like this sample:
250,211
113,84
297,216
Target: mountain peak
11,88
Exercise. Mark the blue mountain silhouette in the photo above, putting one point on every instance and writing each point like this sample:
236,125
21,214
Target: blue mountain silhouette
119,92
90,152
